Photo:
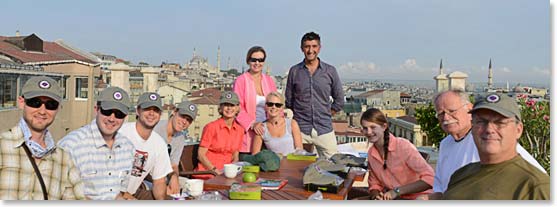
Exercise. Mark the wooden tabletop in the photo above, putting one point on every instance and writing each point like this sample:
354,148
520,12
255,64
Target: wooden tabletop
293,171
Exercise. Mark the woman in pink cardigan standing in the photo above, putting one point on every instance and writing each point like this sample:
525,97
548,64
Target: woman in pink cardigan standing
252,87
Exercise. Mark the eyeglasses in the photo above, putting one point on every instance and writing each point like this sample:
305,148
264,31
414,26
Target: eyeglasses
37,103
271,104
499,123
257,60
118,114
449,112
169,147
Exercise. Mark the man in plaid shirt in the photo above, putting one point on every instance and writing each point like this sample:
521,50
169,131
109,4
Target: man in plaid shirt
40,101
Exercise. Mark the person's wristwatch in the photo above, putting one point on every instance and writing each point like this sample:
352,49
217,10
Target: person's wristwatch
397,191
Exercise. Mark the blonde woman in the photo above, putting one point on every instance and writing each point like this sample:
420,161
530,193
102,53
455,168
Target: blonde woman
221,139
280,135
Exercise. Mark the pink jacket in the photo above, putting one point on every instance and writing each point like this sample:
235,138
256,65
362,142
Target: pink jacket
245,88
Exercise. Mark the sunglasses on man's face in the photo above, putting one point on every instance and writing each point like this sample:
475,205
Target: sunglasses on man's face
118,114
271,104
37,102
257,60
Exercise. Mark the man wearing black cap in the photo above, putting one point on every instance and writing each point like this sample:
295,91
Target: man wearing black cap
173,132
501,173
29,143
104,156
151,155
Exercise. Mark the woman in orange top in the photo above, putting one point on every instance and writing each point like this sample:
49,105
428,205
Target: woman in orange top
396,168
221,139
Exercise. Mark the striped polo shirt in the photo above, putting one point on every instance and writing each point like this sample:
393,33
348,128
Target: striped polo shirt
104,171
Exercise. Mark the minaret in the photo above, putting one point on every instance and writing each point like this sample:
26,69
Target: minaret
490,77
441,72
228,64
194,53
441,80
218,59
268,70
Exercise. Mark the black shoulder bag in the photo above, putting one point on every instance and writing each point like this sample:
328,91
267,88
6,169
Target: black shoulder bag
32,160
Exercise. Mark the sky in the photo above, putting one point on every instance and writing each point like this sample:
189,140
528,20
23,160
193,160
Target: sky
363,39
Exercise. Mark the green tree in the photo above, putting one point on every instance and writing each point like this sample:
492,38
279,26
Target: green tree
425,116
535,136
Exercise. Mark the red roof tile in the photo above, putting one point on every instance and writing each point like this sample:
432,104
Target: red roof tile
410,119
214,92
341,128
52,52
206,100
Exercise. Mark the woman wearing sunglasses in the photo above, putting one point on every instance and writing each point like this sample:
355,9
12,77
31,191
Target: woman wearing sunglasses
252,87
280,134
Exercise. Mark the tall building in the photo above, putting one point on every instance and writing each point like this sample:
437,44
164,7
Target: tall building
490,77
441,80
75,70
454,80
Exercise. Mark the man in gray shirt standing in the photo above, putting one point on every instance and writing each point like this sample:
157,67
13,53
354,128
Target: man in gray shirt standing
309,89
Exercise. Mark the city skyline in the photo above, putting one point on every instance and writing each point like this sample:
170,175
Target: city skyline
364,39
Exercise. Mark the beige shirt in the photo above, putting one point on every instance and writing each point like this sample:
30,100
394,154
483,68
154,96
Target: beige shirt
18,180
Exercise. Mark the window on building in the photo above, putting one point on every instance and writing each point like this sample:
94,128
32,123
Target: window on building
81,88
8,91
64,84
211,111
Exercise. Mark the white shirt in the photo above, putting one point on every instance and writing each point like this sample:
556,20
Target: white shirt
151,156
454,155
260,114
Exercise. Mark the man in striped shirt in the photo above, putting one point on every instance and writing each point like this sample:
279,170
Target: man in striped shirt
102,154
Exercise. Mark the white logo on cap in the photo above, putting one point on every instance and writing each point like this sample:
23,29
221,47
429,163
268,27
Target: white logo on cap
153,97
229,96
493,98
44,84
192,107
117,95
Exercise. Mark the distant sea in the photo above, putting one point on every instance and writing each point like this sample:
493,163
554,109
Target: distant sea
431,83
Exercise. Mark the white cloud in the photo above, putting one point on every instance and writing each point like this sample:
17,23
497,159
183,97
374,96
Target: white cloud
542,71
411,65
357,69
505,70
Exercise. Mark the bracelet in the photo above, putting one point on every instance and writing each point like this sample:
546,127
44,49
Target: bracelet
214,168
397,191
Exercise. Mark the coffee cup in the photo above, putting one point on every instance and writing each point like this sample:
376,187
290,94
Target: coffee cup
231,170
194,187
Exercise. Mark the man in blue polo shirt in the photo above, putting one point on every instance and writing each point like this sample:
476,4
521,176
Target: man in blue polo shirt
309,88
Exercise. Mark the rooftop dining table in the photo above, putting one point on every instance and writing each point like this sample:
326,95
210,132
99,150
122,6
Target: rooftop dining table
293,171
